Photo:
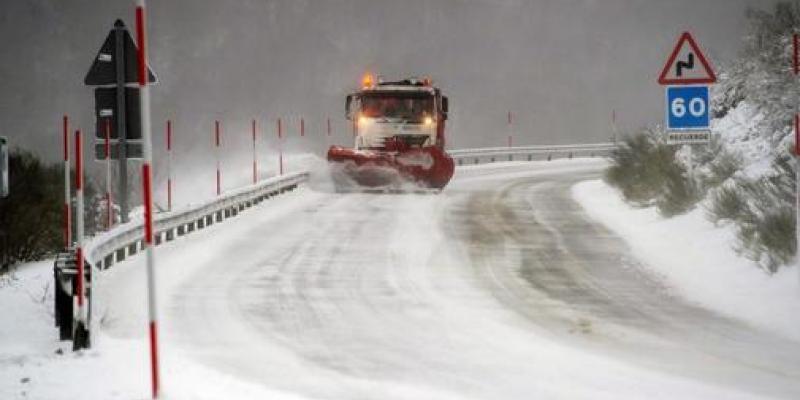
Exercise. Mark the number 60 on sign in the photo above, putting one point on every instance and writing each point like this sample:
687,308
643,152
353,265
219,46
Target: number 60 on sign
687,107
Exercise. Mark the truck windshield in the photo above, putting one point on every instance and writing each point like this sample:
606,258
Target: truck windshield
409,106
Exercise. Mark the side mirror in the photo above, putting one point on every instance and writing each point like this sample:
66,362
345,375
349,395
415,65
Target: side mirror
445,105
347,113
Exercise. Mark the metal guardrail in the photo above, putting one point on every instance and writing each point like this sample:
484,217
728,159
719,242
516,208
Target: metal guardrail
126,240
528,153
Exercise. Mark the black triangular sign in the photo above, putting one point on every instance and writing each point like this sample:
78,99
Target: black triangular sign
104,71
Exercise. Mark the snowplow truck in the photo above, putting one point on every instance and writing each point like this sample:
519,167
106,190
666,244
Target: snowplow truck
399,130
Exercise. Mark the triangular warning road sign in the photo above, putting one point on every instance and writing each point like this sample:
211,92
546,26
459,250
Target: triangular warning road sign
104,67
687,65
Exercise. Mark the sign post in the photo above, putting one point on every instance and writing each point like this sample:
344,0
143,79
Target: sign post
115,68
686,76
109,208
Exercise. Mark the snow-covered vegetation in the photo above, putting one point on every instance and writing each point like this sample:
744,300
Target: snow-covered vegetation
746,177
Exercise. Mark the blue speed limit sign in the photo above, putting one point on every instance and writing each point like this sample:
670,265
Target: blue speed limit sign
687,107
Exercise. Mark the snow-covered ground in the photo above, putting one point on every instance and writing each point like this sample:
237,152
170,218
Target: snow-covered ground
35,365
321,295
697,260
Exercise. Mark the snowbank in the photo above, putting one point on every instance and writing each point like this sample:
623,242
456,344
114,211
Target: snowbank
697,260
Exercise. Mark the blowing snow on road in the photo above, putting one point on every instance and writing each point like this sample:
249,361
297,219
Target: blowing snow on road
499,287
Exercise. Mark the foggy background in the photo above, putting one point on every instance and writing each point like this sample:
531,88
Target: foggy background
561,66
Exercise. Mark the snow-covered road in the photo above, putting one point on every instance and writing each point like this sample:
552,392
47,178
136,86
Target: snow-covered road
498,288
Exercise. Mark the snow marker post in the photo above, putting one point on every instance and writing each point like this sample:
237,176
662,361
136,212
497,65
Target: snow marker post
796,69
109,210
280,149
327,134
144,102
255,160
216,153
67,200
510,135
169,165
302,127
80,334
614,125
796,53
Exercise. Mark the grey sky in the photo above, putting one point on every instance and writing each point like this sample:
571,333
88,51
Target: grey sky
560,66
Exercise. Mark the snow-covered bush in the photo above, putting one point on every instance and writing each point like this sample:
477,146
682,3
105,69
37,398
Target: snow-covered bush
763,211
754,104
648,172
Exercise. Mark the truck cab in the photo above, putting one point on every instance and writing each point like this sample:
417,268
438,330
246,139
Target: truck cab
410,113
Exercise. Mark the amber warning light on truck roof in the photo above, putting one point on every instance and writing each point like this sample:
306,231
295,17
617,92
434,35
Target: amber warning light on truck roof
367,81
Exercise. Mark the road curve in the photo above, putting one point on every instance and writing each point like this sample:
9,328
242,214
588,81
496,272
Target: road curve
498,288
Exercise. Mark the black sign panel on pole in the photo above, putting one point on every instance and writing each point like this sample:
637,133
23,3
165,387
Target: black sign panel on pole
115,67
133,150
103,71
105,100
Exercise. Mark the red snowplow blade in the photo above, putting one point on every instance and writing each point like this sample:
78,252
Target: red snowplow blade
428,167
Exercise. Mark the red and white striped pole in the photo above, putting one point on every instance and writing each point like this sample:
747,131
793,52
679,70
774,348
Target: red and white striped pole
67,200
796,69
614,124
109,209
255,159
147,178
510,140
79,287
216,153
280,148
169,165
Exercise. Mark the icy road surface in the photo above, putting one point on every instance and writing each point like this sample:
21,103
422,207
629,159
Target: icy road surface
498,288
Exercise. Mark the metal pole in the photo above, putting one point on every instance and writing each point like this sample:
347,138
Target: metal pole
67,197
169,165
255,159
109,209
122,133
